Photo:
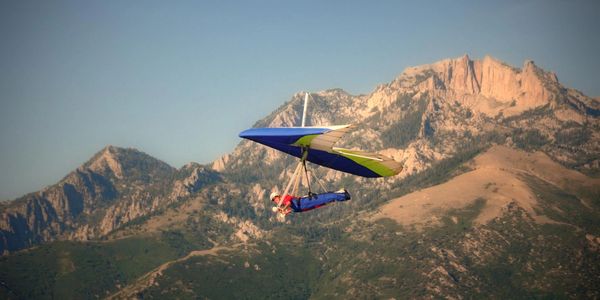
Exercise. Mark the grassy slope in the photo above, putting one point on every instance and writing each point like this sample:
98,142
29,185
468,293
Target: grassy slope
80,270
264,271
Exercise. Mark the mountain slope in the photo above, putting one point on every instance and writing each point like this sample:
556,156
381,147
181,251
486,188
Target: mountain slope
466,252
114,187
494,245
501,175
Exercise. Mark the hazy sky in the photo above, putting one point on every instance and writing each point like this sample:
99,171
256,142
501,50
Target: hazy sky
179,80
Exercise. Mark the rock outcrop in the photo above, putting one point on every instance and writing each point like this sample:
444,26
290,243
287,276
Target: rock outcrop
489,86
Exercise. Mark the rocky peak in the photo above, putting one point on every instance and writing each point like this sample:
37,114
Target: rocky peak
106,160
459,75
114,187
325,106
126,163
488,86
497,80
333,91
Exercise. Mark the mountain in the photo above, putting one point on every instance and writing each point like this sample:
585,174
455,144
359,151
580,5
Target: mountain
429,111
114,187
499,197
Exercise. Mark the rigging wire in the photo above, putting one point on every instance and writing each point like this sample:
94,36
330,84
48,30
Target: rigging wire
319,181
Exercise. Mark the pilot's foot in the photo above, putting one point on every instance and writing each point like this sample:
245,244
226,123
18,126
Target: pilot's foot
347,195
345,192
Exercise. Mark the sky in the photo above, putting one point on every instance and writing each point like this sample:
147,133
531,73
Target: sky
179,80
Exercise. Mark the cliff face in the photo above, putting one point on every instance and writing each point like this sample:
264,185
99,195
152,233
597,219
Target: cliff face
490,86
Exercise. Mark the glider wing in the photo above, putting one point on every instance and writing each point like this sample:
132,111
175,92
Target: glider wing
319,141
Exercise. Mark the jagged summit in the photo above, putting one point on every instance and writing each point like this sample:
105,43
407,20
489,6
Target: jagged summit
113,151
106,159
122,162
485,86
493,87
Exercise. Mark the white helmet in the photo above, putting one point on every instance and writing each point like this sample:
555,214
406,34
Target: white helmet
273,195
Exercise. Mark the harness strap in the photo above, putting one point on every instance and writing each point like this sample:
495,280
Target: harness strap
293,179
307,178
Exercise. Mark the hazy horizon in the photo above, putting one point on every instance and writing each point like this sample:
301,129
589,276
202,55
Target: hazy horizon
180,80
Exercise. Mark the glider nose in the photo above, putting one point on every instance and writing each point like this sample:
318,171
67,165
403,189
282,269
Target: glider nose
245,134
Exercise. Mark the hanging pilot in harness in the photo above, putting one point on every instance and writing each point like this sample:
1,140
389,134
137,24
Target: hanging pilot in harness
301,204
289,203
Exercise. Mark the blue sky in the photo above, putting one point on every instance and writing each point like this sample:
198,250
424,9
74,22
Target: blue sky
178,80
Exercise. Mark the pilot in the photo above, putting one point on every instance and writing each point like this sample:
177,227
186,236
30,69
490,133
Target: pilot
301,204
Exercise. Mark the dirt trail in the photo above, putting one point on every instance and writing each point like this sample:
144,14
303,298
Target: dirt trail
147,280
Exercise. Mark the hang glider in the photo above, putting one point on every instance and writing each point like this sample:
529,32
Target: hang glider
318,143
315,144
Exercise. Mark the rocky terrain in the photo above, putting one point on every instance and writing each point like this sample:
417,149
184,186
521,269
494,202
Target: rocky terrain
499,197
113,188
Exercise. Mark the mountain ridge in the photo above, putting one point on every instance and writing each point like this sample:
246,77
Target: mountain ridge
115,186
447,101
470,115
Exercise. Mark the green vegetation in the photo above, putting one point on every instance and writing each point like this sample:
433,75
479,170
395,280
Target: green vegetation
400,134
564,207
84,270
436,174
237,205
541,261
573,136
383,259
275,271
529,115
508,257
530,139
